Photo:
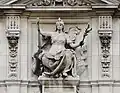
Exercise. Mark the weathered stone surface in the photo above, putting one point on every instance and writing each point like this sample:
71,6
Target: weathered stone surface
59,85
90,79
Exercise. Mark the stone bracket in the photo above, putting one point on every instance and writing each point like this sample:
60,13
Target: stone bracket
13,36
105,38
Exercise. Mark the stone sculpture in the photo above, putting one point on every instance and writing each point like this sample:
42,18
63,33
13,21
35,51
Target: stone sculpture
59,59
62,3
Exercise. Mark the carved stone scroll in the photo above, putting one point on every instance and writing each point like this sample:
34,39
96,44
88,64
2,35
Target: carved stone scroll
13,34
61,3
72,2
105,35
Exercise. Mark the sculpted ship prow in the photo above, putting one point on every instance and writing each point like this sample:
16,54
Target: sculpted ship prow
60,59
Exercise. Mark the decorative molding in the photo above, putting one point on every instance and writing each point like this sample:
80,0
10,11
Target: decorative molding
105,35
105,23
10,2
61,3
105,39
105,6
14,6
106,1
89,83
72,2
13,34
59,8
13,62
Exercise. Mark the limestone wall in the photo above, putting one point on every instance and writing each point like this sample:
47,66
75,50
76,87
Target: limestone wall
91,80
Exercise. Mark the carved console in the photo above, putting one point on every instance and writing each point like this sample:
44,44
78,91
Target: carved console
13,34
105,35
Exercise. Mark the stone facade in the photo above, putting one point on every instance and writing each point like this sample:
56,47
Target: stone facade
18,42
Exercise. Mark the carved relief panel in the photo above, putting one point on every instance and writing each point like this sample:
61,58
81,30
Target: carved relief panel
50,27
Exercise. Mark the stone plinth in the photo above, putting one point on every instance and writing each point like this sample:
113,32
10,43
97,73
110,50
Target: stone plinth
59,85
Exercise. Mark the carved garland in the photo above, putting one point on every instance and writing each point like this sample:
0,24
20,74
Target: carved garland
105,35
105,38
13,34
13,60
13,63
61,3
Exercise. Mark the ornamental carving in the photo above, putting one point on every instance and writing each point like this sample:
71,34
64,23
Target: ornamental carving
72,2
45,2
13,41
13,34
105,35
60,3
105,38
13,49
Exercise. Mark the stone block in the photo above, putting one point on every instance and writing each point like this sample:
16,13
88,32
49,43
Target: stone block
59,85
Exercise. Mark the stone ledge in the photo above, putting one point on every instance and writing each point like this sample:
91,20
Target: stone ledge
109,6
82,83
58,81
14,6
58,8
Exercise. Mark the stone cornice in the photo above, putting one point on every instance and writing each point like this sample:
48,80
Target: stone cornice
58,8
94,83
10,2
106,1
105,6
40,8
93,9
14,6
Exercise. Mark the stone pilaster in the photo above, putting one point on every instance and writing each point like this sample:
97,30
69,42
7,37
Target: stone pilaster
13,34
105,35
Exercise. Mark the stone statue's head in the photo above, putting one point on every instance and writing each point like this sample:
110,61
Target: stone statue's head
60,25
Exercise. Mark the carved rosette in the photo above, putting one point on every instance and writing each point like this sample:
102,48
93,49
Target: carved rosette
13,34
105,35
